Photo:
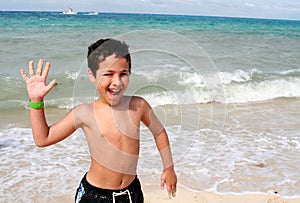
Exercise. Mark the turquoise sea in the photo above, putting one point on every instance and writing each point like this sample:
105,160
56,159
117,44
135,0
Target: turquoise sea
227,90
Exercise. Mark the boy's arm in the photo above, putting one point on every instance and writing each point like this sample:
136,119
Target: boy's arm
45,135
168,176
37,89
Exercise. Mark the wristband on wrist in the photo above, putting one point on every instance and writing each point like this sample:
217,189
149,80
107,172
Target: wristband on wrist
36,105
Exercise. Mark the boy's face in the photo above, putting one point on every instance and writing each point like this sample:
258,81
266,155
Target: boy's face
112,79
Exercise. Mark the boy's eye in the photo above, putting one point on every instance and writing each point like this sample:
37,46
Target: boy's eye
111,74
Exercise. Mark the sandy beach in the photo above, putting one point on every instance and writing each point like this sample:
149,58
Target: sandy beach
185,196
153,194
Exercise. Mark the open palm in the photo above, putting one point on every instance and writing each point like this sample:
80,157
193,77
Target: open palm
36,83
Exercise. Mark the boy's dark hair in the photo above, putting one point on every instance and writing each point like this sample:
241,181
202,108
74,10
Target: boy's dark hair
98,51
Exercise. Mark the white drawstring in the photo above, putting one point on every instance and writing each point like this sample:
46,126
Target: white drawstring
116,194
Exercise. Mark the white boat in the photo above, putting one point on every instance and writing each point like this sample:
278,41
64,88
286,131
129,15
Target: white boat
70,12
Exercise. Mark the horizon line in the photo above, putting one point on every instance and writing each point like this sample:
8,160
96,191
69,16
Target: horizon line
156,13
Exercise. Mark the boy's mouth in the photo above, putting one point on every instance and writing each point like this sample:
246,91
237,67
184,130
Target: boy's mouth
114,91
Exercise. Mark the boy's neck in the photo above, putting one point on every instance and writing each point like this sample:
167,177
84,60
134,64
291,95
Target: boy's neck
124,102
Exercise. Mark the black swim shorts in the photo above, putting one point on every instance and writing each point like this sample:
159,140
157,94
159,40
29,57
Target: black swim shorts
87,193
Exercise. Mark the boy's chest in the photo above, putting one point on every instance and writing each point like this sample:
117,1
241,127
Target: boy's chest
118,126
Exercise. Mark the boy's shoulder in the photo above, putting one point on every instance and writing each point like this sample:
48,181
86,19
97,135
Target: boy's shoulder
138,101
82,114
82,109
136,98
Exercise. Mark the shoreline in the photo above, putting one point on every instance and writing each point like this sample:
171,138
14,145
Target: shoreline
153,194
14,117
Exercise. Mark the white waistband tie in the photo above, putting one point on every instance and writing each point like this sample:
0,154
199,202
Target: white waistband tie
116,194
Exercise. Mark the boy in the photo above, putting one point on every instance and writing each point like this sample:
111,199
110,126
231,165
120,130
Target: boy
111,125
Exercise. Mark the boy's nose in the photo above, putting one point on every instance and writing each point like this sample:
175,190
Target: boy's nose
116,81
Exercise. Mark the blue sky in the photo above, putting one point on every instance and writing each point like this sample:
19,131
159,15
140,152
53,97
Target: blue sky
278,9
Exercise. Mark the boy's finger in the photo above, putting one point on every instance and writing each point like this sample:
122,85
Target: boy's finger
50,85
40,67
162,183
46,70
23,73
31,68
174,191
169,189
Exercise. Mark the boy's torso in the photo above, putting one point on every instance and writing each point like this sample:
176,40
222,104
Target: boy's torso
113,138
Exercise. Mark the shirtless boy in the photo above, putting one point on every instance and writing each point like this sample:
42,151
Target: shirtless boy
111,125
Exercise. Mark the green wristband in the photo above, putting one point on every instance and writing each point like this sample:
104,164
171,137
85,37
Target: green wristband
36,105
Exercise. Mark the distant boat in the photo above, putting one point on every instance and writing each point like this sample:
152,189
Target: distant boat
70,12
92,13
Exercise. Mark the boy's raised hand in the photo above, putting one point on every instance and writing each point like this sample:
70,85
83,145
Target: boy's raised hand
36,83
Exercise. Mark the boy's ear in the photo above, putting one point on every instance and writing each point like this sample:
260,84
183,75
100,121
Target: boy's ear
91,76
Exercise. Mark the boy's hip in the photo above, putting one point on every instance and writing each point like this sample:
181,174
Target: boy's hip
89,193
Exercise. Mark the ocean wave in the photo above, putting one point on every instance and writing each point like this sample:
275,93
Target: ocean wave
292,72
72,75
162,87
224,87
238,76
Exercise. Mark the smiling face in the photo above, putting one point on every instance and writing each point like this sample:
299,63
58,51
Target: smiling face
112,79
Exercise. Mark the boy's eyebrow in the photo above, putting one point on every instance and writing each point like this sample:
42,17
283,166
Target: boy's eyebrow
112,71
109,70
